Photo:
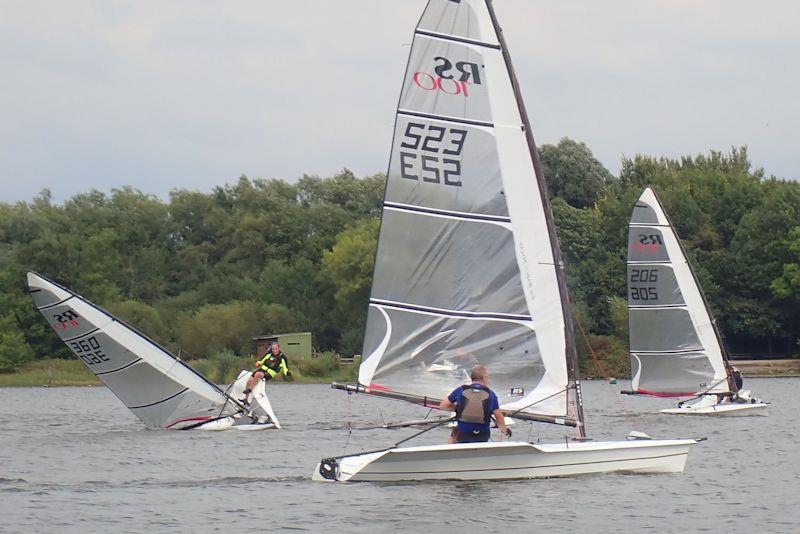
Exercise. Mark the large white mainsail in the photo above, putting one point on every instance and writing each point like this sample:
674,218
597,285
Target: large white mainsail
159,389
674,346
467,266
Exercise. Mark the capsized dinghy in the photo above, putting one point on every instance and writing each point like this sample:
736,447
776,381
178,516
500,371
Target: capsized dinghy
468,269
676,347
158,388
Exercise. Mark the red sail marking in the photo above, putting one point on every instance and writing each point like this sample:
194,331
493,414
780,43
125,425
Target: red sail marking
203,418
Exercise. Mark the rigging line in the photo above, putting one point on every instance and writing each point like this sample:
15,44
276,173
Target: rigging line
437,425
707,392
349,423
629,416
515,412
227,400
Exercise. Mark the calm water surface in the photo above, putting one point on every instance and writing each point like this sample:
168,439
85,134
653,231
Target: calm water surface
75,460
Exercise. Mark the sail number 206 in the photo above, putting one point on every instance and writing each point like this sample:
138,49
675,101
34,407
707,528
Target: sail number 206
89,351
644,276
436,156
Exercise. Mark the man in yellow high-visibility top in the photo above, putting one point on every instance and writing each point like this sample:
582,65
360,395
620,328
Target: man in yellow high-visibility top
267,368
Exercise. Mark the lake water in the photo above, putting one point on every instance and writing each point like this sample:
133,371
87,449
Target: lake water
75,460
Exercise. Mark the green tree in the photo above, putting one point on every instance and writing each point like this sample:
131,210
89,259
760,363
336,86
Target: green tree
573,173
349,266
215,327
14,351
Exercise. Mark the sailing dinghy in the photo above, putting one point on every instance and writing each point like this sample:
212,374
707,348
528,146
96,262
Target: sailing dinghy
468,270
676,347
158,388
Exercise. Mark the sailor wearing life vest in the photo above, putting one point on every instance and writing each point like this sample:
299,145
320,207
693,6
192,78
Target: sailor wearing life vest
266,368
474,404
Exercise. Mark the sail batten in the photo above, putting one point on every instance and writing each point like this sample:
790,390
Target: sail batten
447,213
451,313
456,39
444,118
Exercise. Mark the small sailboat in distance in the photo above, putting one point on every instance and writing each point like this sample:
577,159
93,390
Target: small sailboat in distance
158,388
468,248
676,347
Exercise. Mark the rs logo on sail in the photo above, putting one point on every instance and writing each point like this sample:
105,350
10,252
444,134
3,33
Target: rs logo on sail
68,319
445,80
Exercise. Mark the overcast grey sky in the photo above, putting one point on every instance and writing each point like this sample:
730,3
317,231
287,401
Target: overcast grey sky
192,94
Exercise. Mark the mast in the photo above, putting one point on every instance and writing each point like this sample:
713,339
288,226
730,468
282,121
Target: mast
571,353
717,333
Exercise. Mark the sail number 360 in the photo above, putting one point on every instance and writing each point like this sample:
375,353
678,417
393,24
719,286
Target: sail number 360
438,160
89,351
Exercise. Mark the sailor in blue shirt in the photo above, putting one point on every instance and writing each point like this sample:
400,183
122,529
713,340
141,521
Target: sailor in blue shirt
474,404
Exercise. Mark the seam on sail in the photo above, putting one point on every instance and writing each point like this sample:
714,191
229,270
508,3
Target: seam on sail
453,313
506,225
90,332
445,118
647,225
655,306
458,214
184,390
649,262
36,290
120,369
677,351
55,303
446,37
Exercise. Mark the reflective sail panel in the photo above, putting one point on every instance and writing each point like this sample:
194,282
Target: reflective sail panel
465,269
159,389
673,346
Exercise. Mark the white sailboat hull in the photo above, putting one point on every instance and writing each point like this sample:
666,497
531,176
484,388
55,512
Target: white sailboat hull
724,409
746,404
259,404
511,460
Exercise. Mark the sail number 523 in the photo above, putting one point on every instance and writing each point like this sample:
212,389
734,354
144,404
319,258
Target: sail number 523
437,157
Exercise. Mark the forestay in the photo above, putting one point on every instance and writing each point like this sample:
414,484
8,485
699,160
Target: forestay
465,270
674,348
161,390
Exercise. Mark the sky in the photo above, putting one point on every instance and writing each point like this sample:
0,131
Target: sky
192,94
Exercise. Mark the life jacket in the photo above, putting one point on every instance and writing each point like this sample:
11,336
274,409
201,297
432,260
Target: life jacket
473,406
737,378
271,364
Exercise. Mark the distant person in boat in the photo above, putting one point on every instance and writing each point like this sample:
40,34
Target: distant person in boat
267,368
474,404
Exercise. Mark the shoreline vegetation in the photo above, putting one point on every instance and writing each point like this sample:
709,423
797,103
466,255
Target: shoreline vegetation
202,273
321,370
325,368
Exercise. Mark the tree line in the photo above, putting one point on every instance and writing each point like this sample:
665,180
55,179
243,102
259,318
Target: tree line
203,272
